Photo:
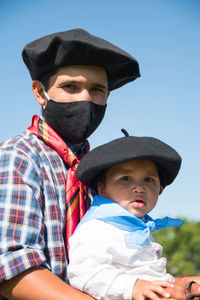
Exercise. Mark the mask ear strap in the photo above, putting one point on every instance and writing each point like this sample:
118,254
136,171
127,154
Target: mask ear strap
46,95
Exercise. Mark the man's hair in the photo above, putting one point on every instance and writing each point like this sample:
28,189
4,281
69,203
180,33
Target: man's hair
45,78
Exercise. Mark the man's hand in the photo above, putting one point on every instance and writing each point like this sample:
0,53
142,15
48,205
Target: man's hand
179,290
176,293
153,290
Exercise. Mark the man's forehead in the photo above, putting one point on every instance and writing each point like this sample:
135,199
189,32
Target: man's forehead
80,69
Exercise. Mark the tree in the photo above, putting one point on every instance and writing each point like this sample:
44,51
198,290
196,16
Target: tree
181,247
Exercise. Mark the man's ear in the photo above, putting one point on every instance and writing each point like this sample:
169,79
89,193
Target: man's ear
161,190
38,92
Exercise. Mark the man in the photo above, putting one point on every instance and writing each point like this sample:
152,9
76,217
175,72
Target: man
41,200
72,74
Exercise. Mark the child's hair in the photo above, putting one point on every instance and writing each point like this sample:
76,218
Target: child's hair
100,179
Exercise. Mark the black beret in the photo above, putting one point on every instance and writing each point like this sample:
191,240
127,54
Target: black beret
122,150
78,47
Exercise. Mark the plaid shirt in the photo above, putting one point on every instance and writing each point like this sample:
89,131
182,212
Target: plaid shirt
32,207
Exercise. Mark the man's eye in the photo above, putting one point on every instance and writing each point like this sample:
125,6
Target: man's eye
69,86
126,178
97,89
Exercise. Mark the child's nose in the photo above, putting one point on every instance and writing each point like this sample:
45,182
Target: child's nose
138,187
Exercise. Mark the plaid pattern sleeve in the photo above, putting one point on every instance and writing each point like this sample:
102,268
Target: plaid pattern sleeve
32,207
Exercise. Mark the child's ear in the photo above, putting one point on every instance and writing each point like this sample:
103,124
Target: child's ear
161,190
100,188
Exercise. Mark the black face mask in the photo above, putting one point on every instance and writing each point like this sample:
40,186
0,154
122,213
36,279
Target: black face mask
73,121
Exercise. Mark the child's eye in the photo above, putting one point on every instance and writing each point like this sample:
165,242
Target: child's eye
149,179
126,178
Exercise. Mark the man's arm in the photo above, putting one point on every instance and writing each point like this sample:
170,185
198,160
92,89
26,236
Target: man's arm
39,284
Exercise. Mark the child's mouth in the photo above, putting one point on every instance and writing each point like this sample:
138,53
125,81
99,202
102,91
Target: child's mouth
139,203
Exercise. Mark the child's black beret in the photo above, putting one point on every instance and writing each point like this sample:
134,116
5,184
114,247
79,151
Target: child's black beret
78,47
121,150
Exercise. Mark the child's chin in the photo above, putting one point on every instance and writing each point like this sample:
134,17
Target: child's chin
137,214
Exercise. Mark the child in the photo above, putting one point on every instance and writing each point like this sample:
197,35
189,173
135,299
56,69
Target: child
112,253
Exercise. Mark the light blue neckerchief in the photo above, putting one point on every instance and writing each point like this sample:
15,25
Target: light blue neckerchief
112,213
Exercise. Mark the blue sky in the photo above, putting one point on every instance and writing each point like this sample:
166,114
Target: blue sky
164,36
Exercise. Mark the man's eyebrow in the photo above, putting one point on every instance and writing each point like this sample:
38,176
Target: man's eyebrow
100,85
97,84
66,81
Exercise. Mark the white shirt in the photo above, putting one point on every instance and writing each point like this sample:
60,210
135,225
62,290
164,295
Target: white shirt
102,265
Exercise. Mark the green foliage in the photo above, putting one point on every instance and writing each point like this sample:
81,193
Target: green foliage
181,247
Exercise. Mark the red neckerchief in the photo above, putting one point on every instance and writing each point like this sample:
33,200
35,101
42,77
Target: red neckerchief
77,201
